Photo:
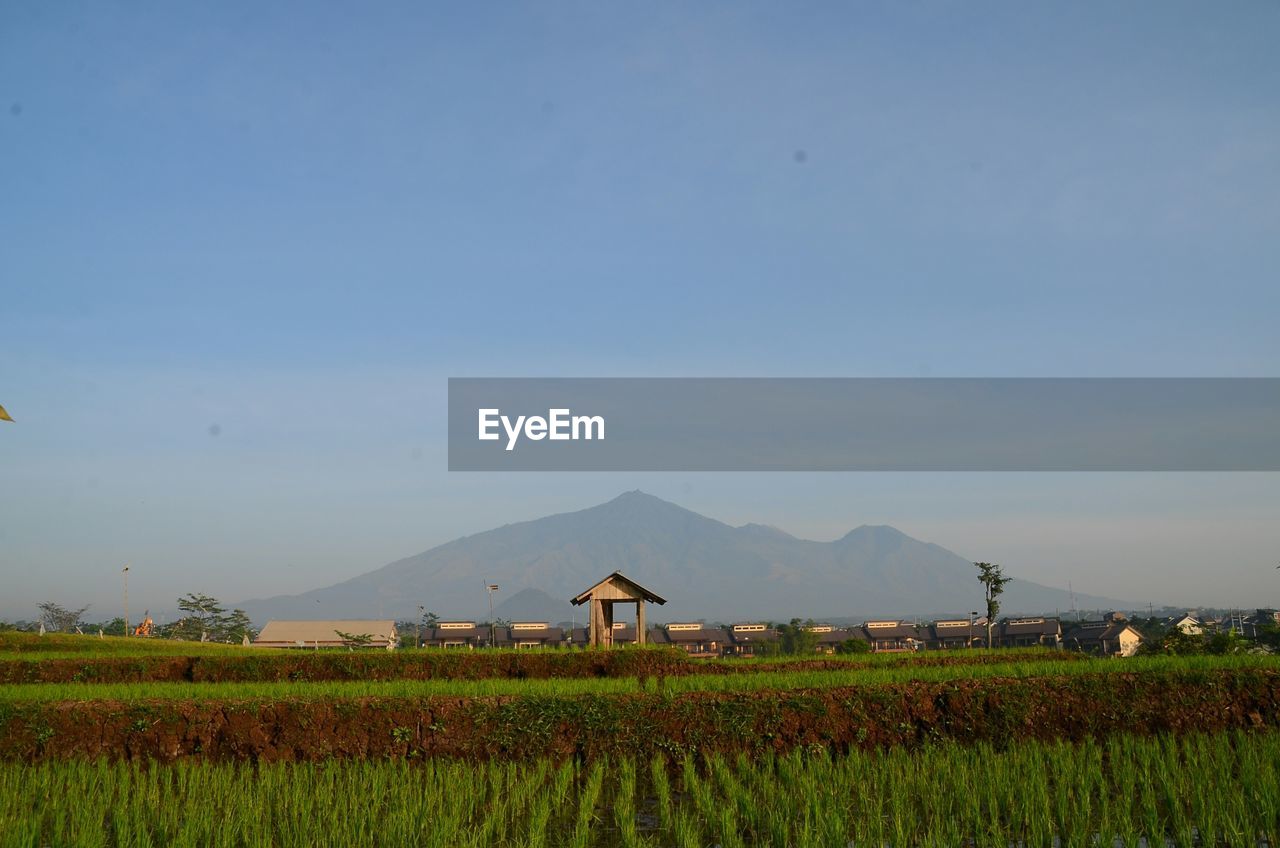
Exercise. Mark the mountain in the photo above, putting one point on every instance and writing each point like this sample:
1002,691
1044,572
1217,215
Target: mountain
705,569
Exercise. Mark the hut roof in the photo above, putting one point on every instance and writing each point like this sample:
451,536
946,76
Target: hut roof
621,581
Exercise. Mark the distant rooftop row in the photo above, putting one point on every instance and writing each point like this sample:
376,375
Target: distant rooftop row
1111,636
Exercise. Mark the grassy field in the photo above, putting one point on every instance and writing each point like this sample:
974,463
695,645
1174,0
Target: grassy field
1220,789
20,645
937,749
762,680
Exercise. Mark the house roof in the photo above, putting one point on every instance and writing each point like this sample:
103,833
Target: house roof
743,636
1031,627
324,632
836,635
876,630
456,633
516,633
617,578
955,628
1098,631
702,634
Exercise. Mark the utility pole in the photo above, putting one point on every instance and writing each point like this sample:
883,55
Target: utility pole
490,588
126,599
417,642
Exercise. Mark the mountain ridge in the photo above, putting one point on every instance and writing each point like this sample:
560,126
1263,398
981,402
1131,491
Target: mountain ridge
705,567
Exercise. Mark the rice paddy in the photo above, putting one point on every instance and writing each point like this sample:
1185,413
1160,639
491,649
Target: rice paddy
394,769
746,682
21,645
1221,789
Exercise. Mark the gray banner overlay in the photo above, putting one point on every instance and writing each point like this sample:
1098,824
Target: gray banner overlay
860,424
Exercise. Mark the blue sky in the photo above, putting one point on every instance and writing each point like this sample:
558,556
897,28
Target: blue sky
244,247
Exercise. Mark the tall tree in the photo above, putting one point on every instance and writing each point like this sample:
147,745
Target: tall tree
58,617
428,620
992,578
234,627
203,614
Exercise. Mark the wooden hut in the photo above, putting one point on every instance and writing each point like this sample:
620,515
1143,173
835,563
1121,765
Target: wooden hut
614,589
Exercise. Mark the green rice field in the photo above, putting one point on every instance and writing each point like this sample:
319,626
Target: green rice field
746,682
1212,790
20,645
726,786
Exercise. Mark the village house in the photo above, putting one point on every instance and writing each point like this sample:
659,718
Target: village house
1030,633
1115,638
830,638
947,634
326,634
695,639
457,634
1187,624
749,639
528,634
1249,625
889,636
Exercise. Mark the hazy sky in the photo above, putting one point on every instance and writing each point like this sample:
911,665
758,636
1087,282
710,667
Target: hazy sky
242,246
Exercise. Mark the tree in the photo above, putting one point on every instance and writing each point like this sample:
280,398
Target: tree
1175,642
114,627
797,638
1226,642
203,615
355,640
1268,635
853,646
428,620
991,576
234,627
57,617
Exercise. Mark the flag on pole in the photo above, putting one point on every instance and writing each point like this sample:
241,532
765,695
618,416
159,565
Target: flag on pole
4,416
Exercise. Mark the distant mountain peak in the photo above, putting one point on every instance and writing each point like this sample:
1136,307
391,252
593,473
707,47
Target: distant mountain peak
636,497
637,507
878,532
704,567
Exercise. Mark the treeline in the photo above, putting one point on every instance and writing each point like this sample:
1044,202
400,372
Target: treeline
204,619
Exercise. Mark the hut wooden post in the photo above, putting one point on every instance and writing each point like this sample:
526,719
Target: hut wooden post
597,623
606,632
640,629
